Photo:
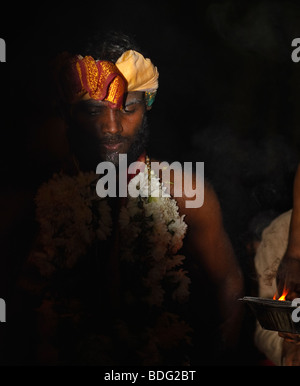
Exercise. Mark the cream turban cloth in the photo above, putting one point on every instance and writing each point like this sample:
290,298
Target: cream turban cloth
140,73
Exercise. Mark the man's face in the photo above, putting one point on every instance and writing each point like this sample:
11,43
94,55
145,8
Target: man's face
99,133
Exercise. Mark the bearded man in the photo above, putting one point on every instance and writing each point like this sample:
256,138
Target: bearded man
133,280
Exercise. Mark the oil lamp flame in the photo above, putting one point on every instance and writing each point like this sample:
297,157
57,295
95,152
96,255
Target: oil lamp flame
283,296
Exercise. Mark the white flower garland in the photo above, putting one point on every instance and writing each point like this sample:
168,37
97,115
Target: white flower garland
155,214
71,217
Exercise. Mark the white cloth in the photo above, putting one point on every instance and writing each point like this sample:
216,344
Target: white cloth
269,254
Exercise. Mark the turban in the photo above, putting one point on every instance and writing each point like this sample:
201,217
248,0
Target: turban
85,78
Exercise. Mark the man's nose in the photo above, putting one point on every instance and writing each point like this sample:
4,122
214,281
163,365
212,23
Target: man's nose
110,121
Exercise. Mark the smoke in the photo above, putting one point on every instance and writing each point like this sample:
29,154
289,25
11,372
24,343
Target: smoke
265,28
250,175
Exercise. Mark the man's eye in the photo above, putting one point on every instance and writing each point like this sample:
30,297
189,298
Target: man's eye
130,108
89,110
94,111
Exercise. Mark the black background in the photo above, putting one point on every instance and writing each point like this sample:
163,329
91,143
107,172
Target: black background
229,95
228,90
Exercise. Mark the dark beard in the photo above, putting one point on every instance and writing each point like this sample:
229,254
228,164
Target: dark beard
86,148
140,142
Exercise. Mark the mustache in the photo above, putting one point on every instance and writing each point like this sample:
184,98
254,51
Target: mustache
113,139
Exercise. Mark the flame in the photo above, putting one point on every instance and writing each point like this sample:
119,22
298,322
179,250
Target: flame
283,296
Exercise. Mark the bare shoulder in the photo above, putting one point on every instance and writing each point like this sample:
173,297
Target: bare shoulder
195,196
208,215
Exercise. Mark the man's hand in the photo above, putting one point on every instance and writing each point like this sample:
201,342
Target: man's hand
290,353
288,276
290,338
288,273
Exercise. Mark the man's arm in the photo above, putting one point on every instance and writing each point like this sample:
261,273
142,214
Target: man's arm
209,246
269,253
288,273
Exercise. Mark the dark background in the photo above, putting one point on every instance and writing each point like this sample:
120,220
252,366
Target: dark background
228,96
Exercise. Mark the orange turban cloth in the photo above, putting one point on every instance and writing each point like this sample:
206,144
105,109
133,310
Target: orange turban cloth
85,78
